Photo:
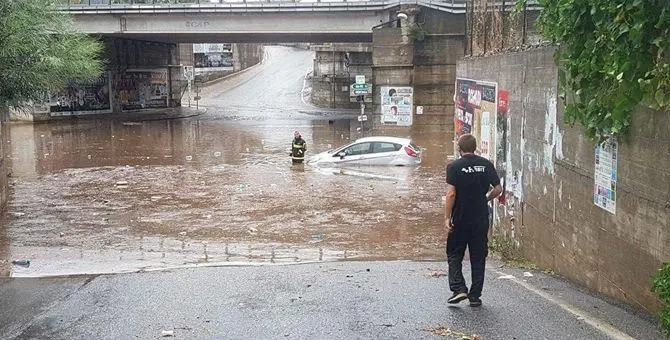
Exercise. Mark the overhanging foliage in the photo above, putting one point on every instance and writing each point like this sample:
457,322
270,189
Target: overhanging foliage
613,56
40,51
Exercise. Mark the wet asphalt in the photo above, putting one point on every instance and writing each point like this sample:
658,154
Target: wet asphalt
331,300
200,226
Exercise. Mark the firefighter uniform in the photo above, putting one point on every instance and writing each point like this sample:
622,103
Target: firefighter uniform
298,150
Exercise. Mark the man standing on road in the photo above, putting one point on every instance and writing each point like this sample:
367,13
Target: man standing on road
298,149
472,182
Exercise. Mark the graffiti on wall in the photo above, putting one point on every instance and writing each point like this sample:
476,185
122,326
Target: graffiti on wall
82,98
143,89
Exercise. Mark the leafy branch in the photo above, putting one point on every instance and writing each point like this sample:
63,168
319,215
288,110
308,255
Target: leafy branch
417,32
614,55
41,51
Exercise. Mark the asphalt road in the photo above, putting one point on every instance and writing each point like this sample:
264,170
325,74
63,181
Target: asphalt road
336,300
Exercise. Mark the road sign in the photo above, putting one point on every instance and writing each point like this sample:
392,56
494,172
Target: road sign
363,118
360,89
188,72
360,79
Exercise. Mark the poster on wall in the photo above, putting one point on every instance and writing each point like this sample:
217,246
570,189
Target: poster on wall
213,57
475,112
502,122
92,97
604,188
397,105
143,89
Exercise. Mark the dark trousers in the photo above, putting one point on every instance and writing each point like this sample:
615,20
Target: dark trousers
296,161
474,236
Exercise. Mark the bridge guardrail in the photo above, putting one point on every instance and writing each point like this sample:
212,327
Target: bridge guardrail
213,6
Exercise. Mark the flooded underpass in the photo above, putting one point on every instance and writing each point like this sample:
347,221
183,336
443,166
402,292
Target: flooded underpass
103,196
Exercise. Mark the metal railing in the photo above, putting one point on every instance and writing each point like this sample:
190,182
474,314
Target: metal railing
451,6
457,3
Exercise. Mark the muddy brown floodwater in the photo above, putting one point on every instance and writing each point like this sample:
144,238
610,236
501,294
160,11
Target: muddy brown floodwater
106,196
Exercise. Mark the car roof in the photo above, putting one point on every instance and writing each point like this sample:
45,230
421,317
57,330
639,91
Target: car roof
396,140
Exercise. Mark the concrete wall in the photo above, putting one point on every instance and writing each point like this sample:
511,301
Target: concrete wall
333,72
393,64
549,176
429,65
129,65
244,56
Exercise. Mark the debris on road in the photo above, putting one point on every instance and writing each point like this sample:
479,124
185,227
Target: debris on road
167,333
438,273
527,274
21,263
122,184
444,331
506,277
316,238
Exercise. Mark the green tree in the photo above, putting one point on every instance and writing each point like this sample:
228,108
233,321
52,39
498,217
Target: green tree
613,55
41,51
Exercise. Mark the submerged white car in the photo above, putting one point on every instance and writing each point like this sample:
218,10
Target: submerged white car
372,151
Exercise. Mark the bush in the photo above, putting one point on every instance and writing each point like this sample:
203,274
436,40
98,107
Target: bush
661,285
417,33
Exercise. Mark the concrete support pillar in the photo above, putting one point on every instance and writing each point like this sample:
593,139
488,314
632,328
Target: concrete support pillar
335,68
392,58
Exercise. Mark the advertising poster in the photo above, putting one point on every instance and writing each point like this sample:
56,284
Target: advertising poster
475,112
397,105
604,189
143,89
82,98
213,57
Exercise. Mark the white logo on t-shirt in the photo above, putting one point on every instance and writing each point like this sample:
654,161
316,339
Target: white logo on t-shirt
473,169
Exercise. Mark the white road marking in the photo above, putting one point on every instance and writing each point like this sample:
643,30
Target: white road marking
596,323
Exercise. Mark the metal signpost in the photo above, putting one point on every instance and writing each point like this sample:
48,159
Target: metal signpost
189,75
358,92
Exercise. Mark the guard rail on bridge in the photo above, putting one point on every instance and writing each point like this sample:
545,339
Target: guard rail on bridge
214,6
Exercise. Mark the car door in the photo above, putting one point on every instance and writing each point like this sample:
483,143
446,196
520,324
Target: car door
383,153
356,154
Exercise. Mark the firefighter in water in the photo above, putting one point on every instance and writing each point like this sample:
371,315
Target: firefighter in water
298,148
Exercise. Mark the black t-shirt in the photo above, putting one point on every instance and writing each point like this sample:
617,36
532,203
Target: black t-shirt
473,177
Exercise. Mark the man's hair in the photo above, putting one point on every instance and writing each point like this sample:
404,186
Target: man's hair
467,143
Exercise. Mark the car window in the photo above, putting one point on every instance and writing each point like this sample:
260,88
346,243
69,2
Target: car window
357,149
385,147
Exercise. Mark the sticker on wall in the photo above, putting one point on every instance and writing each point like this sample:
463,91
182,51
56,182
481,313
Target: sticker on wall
604,188
397,105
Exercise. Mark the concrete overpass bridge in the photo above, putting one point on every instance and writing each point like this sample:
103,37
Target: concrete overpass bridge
147,43
243,22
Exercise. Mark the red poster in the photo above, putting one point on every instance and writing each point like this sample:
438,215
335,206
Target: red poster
503,101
